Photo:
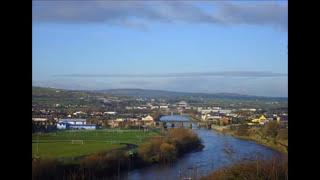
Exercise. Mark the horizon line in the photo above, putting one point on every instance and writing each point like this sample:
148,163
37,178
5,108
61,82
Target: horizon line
70,89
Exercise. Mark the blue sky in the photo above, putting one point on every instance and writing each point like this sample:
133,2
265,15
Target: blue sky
190,46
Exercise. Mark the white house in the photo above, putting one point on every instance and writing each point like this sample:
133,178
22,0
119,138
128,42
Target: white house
73,121
119,119
147,118
110,113
79,113
39,119
148,121
182,104
164,107
154,107
222,111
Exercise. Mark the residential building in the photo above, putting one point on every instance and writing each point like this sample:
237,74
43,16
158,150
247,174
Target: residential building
261,120
225,121
79,113
182,104
111,113
119,119
39,119
148,121
147,118
74,124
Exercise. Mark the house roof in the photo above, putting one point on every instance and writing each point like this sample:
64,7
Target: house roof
67,123
68,120
83,125
39,119
262,117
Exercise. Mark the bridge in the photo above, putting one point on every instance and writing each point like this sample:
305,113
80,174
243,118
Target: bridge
181,123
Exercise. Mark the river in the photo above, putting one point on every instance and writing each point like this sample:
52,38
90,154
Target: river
212,157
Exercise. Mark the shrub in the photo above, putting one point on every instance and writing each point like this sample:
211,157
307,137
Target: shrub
184,140
242,130
233,128
282,134
102,162
179,141
271,129
167,152
274,168
148,151
45,169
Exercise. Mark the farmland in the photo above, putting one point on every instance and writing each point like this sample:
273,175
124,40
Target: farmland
59,144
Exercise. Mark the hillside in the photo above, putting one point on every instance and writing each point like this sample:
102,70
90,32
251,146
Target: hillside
41,95
143,93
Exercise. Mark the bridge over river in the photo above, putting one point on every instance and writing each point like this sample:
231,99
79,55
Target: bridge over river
181,121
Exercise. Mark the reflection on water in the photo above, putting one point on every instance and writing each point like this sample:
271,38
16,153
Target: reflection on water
203,162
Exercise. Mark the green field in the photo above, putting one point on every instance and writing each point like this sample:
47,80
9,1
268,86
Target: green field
66,149
59,144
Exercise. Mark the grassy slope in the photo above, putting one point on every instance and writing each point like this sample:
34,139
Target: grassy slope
269,143
49,96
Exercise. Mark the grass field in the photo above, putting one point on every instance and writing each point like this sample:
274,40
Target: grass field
59,144
66,149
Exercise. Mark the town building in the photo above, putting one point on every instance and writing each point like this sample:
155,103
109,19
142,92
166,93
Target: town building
182,104
111,113
260,120
114,123
74,124
225,121
79,113
164,107
39,119
119,119
148,121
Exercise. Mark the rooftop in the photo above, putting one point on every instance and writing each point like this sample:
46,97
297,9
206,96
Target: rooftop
82,120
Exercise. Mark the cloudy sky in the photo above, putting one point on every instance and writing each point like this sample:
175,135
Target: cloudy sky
190,46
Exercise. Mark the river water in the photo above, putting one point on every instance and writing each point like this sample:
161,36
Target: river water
212,157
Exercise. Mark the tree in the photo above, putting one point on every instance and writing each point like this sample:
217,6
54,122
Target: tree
167,152
271,129
242,130
218,122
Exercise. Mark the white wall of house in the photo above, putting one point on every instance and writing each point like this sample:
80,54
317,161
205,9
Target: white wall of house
82,127
148,118
39,119
61,126
80,122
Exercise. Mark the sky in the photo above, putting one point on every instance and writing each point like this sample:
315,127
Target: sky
187,46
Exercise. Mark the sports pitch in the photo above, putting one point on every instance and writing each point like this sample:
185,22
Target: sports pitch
64,143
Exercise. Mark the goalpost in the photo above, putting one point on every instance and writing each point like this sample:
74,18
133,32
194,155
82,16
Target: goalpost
77,142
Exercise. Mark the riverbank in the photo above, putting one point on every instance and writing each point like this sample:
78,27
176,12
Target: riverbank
270,143
275,168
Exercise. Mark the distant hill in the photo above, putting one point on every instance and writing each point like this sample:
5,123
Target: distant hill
40,92
143,93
